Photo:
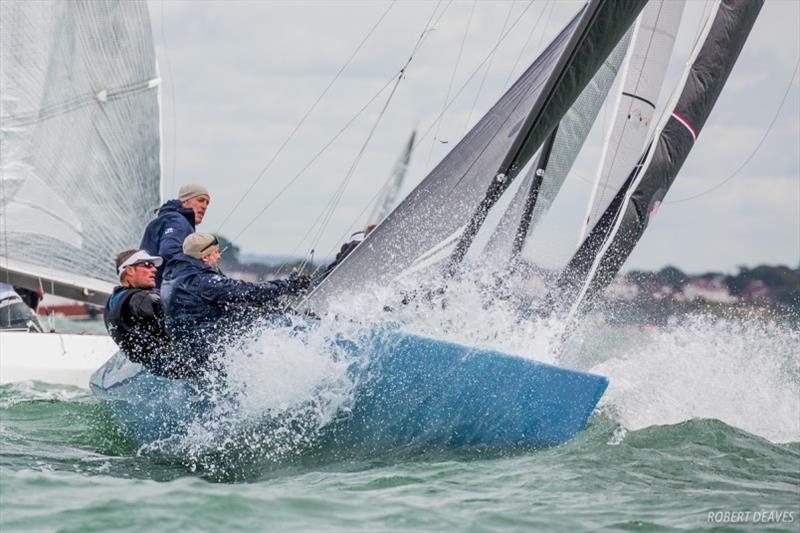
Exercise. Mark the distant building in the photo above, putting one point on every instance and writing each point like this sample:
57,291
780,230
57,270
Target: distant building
712,289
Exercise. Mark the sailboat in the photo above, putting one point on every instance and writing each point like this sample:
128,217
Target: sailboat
421,391
417,390
79,165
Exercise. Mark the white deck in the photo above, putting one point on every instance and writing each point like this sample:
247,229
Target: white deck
56,358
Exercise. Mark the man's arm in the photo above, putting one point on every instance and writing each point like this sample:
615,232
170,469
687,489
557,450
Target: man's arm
172,236
223,289
143,306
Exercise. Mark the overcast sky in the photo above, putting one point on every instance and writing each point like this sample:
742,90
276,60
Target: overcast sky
238,77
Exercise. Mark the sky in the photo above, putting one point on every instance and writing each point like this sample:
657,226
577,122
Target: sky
238,77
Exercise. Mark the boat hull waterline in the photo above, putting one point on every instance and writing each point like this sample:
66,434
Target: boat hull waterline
414,391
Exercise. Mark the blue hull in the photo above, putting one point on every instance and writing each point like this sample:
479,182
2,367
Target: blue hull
415,391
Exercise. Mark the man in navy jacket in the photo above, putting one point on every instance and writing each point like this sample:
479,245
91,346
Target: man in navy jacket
204,309
176,220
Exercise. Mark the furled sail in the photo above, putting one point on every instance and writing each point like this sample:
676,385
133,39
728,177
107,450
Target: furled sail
498,146
642,78
388,198
544,179
79,130
614,236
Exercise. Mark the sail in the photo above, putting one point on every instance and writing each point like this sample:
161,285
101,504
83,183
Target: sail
79,130
499,144
545,179
642,78
612,239
388,199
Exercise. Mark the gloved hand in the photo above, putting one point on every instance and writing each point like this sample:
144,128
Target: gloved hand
299,283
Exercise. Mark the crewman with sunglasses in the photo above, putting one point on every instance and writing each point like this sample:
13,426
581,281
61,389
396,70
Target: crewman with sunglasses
133,315
205,310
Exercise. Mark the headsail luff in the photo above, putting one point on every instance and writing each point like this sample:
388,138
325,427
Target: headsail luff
80,157
634,110
611,241
508,134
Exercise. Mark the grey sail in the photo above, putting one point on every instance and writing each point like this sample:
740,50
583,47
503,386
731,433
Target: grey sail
388,198
500,143
79,126
544,180
614,236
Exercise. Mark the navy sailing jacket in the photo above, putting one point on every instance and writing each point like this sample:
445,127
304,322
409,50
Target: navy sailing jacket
164,234
205,310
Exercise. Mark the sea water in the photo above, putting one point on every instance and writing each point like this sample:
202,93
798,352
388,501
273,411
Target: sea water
699,428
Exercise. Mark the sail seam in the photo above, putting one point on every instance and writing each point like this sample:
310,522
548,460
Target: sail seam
677,116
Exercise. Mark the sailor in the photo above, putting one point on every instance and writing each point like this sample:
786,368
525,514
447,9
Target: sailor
133,315
176,220
347,248
205,310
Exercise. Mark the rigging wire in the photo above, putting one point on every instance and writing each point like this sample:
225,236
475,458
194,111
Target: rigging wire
305,116
450,84
488,68
330,208
755,150
550,4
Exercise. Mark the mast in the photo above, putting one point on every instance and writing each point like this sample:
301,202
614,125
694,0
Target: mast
387,201
624,221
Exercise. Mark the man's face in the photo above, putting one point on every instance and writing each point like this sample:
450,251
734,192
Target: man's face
198,204
141,275
213,258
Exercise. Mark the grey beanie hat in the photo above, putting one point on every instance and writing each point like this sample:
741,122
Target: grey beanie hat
190,190
199,245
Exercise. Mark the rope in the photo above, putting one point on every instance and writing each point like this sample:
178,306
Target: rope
753,153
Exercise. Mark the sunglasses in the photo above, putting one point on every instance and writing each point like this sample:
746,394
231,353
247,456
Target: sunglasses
146,264
215,242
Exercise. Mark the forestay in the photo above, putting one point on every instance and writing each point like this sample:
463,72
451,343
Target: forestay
79,118
464,182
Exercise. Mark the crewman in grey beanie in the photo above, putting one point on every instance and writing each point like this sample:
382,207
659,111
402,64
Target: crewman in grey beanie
176,220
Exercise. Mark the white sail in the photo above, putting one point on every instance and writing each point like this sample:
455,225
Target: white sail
79,131
643,75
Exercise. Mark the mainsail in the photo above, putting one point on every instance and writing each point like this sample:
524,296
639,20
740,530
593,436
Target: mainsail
642,78
79,138
614,236
473,175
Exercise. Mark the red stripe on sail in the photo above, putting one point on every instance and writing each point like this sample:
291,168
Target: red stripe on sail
686,123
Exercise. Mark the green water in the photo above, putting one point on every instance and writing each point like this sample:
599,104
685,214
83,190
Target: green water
701,420
64,467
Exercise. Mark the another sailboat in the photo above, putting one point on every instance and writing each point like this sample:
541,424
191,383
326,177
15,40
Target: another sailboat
79,164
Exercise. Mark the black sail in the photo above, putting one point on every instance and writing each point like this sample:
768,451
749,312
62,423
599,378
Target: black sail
588,273
500,143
